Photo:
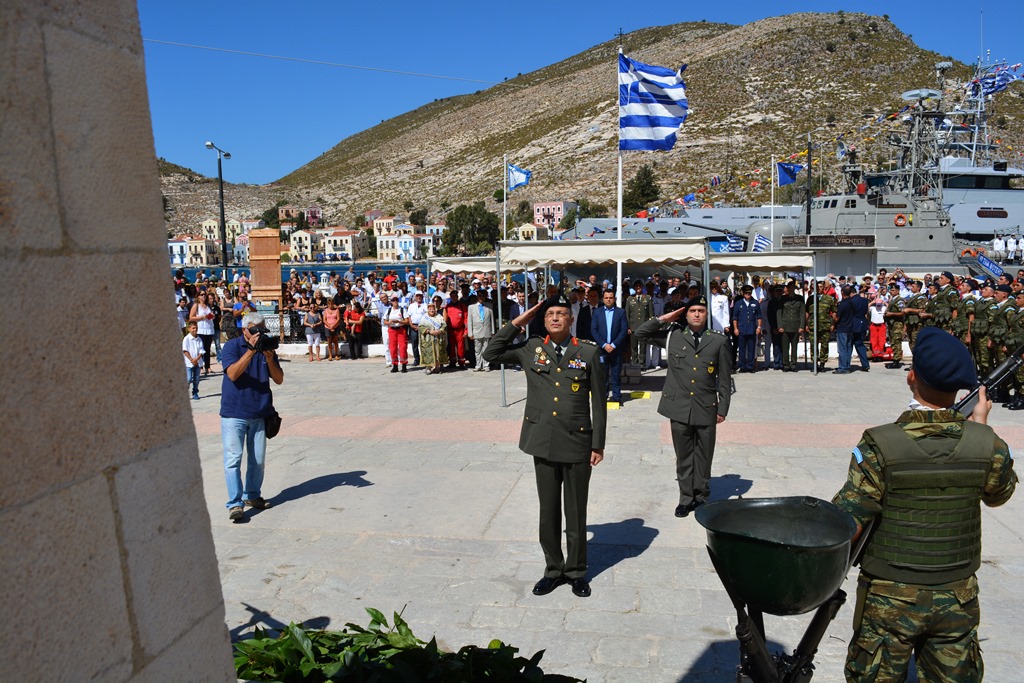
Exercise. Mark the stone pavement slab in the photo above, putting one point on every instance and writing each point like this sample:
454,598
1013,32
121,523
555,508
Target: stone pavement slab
408,492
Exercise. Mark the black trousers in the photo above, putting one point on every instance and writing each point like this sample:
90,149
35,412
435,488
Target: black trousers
695,449
568,483
790,346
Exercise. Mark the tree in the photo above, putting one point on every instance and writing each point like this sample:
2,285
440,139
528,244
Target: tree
372,239
360,221
418,217
641,192
588,210
408,205
568,220
499,194
523,213
270,216
472,231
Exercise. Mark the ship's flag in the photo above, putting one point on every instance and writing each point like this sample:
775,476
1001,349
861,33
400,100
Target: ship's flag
993,83
761,243
517,177
716,181
755,183
641,214
690,197
787,173
735,243
652,105
599,231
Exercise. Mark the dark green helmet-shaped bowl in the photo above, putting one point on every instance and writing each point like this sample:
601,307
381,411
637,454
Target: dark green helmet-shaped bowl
779,555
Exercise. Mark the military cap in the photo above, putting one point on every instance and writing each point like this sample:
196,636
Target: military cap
946,274
556,301
747,288
942,361
1004,288
697,301
972,282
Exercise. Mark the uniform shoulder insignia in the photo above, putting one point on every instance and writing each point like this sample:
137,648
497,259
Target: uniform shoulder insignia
586,341
716,332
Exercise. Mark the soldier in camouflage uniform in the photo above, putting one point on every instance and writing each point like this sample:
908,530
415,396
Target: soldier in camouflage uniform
963,323
1014,339
894,317
948,304
639,309
1000,314
936,310
826,316
913,310
918,595
980,347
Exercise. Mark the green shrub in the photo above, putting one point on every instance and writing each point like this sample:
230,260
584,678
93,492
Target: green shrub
379,653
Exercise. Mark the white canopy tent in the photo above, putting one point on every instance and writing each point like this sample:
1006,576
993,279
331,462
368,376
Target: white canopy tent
750,262
692,251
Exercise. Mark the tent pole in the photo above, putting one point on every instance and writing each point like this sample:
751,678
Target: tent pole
497,278
707,278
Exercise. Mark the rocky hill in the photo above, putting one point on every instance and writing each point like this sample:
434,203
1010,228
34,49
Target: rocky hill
754,92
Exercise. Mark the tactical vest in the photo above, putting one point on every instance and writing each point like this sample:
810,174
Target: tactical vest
895,307
929,531
915,301
964,309
942,307
997,325
981,317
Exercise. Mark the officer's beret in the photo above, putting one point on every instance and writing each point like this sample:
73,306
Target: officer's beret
747,288
1004,288
947,274
700,301
556,301
942,361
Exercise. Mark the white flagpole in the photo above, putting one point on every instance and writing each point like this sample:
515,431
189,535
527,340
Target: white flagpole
618,264
504,199
773,202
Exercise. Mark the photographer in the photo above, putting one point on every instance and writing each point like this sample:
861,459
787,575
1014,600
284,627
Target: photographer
250,362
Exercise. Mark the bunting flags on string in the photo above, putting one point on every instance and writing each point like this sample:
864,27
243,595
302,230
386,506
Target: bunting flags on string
517,177
652,105
716,180
690,198
761,243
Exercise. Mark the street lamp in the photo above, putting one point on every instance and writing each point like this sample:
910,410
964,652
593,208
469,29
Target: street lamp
223,228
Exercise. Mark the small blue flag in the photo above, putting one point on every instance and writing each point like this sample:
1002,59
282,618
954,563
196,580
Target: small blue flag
787,173
517,177
690,198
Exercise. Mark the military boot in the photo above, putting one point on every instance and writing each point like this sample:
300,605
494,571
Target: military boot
894,365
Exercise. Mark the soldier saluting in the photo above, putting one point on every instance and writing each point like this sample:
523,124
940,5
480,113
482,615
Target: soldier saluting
923,479
696,394
563,429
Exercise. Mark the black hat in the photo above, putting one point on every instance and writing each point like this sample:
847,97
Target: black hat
747,289
946,274
1003,288
942,361
894,285
697,301
557,300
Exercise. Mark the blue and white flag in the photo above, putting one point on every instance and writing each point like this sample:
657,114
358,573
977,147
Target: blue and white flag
517,177
735,243
787,173
652,105
993,82
761,243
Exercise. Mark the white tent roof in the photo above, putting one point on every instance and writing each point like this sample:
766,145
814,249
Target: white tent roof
538,254
750,262
467,264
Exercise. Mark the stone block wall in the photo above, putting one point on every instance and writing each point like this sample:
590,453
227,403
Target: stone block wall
106,554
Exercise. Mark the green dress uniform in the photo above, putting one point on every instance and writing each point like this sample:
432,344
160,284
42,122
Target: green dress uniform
917,592
697,390
791,320
564,420
639,309
827,307
897,328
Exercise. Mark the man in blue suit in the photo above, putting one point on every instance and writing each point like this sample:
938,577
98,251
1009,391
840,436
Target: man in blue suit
609,327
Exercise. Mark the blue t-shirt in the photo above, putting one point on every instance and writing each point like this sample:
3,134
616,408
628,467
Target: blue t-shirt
249,396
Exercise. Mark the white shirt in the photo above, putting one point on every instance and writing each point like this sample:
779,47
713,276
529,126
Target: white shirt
1011,245
416,313
194,346
719,312
998,244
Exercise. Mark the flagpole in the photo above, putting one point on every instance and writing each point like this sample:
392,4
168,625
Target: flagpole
504,198
772,162
618,264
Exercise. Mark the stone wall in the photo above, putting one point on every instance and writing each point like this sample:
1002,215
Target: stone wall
107,559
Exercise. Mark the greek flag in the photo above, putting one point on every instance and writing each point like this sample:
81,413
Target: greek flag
761,243
992,83
517,177
652,105
735,243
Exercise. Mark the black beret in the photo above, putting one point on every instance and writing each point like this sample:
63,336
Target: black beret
946,274
942,361
894,285
697,301
1004,288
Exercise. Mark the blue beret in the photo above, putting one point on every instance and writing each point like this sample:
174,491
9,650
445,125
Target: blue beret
942,361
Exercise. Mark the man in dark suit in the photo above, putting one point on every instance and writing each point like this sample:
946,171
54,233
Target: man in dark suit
609,328
696,394
563,429
853,321
586,315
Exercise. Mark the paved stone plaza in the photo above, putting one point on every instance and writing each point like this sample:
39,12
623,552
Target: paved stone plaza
408,492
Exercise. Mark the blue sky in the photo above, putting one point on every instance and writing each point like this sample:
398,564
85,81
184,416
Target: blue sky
274,116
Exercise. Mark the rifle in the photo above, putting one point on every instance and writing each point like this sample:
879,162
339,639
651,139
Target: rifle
992,380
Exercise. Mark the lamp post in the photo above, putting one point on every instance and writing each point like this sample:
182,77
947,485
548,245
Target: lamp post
223,228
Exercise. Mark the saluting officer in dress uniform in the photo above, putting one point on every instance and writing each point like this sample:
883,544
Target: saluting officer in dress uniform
639,309
563,429
924,479
696,394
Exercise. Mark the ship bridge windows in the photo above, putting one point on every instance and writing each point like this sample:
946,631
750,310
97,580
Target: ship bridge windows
976,182
850,204
992,212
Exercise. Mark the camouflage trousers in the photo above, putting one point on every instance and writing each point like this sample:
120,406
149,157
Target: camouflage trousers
939,628
912,331
824,334
982,355
896,341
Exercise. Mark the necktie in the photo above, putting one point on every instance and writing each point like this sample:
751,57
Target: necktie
558,353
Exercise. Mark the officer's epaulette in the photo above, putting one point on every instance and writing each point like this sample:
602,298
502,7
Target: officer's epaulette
586,341
720,334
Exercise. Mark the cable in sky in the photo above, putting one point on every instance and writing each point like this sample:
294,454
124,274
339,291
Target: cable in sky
315,61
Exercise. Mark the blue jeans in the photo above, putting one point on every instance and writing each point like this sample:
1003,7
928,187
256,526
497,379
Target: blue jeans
235,433
847,342
192,376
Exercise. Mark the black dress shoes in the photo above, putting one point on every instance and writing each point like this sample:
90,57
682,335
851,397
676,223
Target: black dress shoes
548,584
683,510
580,587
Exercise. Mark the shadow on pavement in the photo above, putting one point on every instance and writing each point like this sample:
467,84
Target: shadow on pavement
321,485
718,662
266,621
616,541
728,486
